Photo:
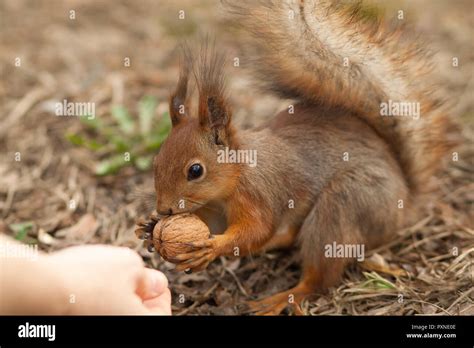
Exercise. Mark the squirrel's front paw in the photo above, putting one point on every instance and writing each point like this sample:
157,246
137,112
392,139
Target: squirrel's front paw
144,231
198,260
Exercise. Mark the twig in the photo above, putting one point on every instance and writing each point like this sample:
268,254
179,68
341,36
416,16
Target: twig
200,300
239,284
460,298
23,106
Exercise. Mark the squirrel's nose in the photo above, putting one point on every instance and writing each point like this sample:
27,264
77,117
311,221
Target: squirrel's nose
165,212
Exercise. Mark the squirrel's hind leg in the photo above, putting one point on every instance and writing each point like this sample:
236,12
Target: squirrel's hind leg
282,240
277,303
351,214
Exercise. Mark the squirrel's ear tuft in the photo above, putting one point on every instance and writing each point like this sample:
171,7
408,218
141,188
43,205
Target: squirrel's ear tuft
214,111
179,101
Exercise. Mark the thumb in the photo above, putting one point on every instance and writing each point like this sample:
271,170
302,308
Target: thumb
151,284
160,305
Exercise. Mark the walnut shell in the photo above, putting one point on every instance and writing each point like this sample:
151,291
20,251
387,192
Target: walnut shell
171,234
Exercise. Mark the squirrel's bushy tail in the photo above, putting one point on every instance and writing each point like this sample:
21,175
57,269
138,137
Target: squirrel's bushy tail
325,52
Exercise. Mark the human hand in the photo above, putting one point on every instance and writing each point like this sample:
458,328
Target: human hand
103,279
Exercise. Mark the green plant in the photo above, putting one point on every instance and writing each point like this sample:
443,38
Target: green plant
124,140
21,230
375,281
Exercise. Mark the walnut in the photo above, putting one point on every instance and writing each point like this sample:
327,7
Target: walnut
171,234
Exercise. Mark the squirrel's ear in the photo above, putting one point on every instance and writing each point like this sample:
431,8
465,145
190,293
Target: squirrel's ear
179,102
214,111
218,119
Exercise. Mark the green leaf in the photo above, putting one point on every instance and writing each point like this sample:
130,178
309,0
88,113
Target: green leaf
113,140
75,139
78,140
21,229
154,141
121,145
94,123
374,280
94,145
159,133
125,122
164,124
146,112
144,162
111,165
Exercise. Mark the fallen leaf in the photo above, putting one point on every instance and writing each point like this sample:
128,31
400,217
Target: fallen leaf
45,238
428,308
195,277
377,263
232,265
82,231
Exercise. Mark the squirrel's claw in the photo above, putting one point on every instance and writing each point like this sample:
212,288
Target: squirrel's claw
189,256
144,231
198,262
205,252
199,259
139,231
277,303
273,305
142,234
148,245
209,243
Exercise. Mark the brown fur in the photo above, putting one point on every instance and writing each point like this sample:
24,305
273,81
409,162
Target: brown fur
302,58
300,155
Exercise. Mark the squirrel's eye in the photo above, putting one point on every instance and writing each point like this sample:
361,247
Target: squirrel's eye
195,171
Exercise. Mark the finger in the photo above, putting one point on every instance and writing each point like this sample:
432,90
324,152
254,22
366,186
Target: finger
124,255
202,267
192,255
148,245
142,233
151,284
160,305
200,244
134,306
193,264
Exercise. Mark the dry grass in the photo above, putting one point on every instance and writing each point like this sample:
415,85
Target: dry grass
427,269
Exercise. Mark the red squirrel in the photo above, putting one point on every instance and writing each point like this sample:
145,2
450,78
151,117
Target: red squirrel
333,168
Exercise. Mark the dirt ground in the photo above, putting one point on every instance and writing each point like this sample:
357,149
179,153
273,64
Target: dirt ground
46,56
